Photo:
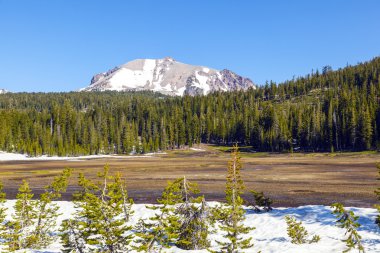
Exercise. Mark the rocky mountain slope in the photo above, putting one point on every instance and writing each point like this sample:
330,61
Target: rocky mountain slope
169,77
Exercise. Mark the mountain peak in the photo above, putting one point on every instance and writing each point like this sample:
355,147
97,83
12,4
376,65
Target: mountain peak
3,91
168,58
167,76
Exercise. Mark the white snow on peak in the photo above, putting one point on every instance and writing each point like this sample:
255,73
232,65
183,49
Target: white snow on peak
206,70
163,75
202,82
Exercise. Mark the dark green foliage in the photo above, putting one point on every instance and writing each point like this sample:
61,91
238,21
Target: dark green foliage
348,221
298,233
335,111
100,219
232,225
178,220
179,191
262,202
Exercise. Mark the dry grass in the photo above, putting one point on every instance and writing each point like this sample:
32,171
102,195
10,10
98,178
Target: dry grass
290,180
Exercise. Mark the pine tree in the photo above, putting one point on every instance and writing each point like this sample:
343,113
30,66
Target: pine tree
76,231
377,192
47,212
348,221
233,215
20,229
150,235
160,230
194,223
234,184
126,202
177,220
2,211
193,219
72,238
367,129
261,203
298,233
99,224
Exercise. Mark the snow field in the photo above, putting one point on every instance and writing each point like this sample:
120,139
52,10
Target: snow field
270,234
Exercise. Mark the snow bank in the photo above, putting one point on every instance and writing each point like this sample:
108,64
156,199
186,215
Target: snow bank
4,156
197,149
270,234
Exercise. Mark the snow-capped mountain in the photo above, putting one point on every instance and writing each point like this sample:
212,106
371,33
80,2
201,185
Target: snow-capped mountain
169,77
3,91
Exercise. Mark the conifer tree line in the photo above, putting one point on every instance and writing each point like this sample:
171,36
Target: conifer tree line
323,111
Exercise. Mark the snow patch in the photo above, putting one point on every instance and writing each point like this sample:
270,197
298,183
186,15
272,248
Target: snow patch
180,91
198,149
22,157
202,82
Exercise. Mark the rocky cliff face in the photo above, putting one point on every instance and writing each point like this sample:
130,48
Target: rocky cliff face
168,77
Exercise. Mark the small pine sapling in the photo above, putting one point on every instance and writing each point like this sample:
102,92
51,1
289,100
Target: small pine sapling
75,232
261,202
174,220
47,211
99,223
19,230
349,221
127,202
377,192
193,219
2,211
234,214
298,233
156,233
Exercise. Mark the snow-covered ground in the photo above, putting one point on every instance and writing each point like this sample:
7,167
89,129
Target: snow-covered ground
4,156
270,234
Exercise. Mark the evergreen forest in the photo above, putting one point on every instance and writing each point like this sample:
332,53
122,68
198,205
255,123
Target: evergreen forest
325,111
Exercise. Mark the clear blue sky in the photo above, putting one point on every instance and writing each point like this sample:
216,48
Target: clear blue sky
57,45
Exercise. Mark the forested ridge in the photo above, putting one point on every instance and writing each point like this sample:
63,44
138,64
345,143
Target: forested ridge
323,111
